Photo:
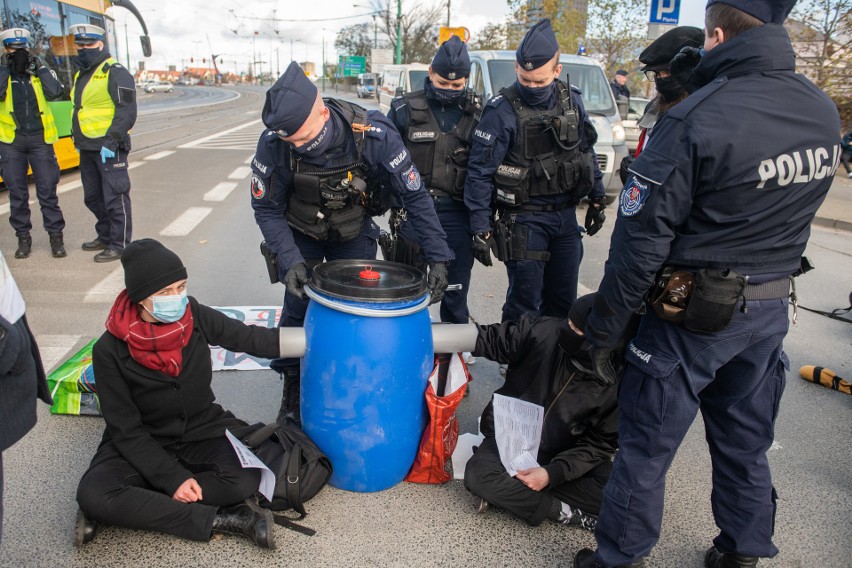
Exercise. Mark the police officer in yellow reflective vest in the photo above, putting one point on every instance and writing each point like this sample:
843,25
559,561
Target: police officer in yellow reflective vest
27,134
104,97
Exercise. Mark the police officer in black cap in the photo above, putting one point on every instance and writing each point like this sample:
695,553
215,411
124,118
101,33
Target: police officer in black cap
436,124
315,185
717,212
532,155
27,133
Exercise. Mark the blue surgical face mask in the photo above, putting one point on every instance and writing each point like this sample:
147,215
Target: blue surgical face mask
169,309
535,96
316,147
86,56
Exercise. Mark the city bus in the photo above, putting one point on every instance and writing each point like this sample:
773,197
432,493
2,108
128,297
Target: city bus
48,22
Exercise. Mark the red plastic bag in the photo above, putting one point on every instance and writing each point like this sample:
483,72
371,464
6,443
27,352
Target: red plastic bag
445,390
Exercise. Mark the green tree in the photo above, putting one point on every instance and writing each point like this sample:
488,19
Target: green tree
617,41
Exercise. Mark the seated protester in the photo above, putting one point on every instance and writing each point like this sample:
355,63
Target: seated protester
548,366
164,463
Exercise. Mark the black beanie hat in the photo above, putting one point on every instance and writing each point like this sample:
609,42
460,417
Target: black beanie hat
149,267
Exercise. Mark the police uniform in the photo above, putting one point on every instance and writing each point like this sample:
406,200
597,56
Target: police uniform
27,133
305,206
536,177
723,192
104,97
436,126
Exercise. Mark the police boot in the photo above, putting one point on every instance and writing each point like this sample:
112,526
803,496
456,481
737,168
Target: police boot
586,559
290,407
57,245
84,529
244,520
716,559
25,246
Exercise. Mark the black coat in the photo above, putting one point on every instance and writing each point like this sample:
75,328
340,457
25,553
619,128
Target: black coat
147,411
580,429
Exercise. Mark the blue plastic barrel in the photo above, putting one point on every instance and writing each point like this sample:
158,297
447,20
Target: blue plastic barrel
368,358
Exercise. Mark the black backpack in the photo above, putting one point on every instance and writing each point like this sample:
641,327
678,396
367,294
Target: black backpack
301,469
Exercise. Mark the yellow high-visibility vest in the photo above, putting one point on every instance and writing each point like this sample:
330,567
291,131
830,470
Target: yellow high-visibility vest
7,118
96,109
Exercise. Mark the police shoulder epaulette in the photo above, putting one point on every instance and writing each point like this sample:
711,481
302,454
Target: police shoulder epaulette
683,108
117,65
576,89
495,100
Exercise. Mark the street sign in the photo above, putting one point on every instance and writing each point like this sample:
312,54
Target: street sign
665,11
351,65
444,33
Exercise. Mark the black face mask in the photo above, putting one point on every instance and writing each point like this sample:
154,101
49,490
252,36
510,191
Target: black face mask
18,61
535,96
318,146
670,90
87,56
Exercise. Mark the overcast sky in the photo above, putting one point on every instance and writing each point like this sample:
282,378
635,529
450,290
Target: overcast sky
181,29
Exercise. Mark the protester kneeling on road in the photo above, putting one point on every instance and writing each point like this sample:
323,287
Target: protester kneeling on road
164,463
547,365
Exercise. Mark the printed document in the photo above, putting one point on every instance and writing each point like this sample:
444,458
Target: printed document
517,430
247,460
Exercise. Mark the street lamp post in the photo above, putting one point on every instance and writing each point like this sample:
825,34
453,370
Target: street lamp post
398,32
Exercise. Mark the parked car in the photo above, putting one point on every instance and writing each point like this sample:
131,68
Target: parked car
631,123
398,80
490,71
159,87
366,86
143,84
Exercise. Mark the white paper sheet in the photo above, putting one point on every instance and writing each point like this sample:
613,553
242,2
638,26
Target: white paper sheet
517,431
463,452
247,460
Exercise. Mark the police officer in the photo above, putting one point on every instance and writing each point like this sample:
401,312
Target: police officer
532,153
314,191
27,134
436,124
104,97
704,204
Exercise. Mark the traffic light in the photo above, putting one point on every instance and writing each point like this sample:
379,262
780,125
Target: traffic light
192,60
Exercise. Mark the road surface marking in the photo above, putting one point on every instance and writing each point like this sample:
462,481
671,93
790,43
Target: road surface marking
105,291
188,220
54,349
220,192
240,173
159,155
202,142
249,159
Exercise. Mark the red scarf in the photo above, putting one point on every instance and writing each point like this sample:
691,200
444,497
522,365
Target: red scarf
155,346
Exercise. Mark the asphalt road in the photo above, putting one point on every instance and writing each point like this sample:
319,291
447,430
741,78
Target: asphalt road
190,190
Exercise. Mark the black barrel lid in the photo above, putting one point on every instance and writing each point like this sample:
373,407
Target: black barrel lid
369,280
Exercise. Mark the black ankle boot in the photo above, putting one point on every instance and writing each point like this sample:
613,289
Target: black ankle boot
57,245
25,246
244,520
290,403
84,529
716,559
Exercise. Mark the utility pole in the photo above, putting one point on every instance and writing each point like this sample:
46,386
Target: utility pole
448,13
398,32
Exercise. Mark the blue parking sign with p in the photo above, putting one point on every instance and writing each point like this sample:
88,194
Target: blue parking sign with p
664,11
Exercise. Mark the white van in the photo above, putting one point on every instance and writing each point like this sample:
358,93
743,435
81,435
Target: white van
490,71
398,80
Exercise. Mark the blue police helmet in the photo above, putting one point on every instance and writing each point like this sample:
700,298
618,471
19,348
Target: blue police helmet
15,38
767,11
538,46
452,61
289,101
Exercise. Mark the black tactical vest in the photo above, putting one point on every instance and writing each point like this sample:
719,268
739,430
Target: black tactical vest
330,203
441,157
545,159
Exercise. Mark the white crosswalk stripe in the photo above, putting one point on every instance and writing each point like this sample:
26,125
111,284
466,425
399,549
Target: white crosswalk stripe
188,220
54,349
242,137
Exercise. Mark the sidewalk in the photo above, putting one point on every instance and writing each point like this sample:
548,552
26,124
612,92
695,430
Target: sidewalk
836,210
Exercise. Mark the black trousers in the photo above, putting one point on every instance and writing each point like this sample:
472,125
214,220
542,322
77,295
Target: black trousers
30,150
106,192
113,492
486,478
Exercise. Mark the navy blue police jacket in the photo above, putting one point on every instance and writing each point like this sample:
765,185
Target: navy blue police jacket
732,177
495,134
387,159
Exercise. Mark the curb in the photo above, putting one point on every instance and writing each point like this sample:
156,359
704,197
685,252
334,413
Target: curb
833,223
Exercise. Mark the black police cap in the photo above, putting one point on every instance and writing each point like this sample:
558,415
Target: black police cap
452,61
289,101
767,11
538,46
657,55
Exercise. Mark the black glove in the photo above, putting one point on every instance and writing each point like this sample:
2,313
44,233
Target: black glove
623,168
682,64
482,245
295,280
33,64
437,281
5,61
603,364
595,215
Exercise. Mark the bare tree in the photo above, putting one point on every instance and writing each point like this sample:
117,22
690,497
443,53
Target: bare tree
354,40
492,36
617,30
420,22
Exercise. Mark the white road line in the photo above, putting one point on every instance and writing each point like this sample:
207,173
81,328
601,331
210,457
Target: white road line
583,290
54,349
220,192
195,143
69,186
134,165
249,159
188,220
251,112
240,173
159,155
105,291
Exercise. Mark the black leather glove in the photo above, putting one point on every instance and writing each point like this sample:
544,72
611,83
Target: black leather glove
603,364
437,281
595,215
682,64
33,64
483,243
295,280
623,171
